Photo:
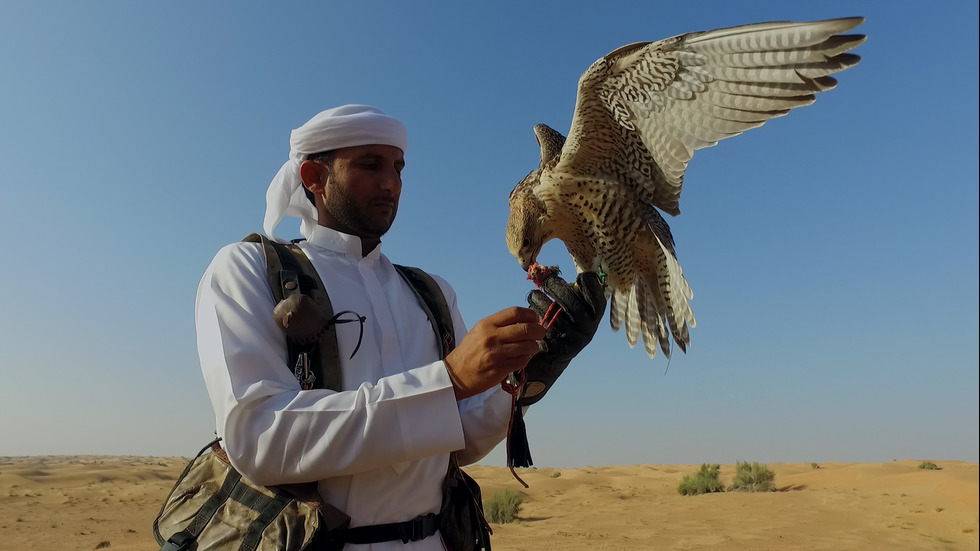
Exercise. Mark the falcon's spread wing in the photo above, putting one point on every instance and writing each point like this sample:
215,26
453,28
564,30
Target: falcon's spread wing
644,109
641,113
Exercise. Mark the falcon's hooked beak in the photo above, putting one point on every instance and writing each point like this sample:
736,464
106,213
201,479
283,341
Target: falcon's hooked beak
526,264
527,253
526,245
525,237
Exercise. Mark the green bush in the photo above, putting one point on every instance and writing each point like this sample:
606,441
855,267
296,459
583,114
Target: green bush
815,465
556,474
929,465
705,481
752,477
502,508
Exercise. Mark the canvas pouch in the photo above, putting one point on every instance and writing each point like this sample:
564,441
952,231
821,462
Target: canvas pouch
212,506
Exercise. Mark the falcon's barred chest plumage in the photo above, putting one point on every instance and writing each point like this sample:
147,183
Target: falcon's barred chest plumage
641,113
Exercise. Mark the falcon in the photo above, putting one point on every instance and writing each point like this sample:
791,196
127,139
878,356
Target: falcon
640,114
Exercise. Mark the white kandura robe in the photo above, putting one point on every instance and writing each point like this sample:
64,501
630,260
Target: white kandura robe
380,447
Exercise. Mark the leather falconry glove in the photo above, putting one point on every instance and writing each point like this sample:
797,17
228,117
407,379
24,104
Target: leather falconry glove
583,306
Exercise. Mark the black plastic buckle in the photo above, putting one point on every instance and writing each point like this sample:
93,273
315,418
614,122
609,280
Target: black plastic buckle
180,541
418,528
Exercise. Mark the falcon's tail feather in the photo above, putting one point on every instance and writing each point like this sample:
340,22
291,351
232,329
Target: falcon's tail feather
653,324
625,309
654,301
676,294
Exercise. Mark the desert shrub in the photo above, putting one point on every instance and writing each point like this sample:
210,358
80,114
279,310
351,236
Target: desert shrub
502,508
556,474
929,465
815,465
705,481
752,477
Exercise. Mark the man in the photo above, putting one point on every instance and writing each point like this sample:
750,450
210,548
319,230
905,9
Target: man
379,448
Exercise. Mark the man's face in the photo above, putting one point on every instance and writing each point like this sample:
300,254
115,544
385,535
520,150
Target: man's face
362,189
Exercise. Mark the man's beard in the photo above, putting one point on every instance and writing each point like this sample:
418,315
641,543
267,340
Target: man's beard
350,215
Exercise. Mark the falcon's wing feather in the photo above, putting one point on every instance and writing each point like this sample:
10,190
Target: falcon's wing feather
644,109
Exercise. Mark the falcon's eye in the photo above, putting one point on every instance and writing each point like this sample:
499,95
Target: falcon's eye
526,242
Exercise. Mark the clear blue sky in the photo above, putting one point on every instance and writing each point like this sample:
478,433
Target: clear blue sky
833,253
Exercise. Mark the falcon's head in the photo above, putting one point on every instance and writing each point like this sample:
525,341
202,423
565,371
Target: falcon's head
526,224
527,227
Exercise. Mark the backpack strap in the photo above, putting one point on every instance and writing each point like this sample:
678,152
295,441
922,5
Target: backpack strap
290,271
433,301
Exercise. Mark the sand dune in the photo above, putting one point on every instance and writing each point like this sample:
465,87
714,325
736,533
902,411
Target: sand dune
90,502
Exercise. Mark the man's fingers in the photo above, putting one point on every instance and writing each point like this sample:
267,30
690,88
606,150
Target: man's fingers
514,332
512,315
518,350
520,332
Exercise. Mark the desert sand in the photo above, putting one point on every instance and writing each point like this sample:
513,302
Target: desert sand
94,502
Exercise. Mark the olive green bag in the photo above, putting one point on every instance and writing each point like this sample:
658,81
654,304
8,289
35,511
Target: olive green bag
214,507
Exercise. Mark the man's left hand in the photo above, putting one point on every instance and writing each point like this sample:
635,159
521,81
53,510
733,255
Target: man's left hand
583,305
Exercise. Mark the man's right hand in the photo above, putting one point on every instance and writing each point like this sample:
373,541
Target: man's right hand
494,348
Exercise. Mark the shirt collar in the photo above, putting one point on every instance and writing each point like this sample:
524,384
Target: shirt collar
333,240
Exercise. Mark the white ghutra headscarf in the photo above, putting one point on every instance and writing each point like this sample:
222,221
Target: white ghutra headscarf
344,126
